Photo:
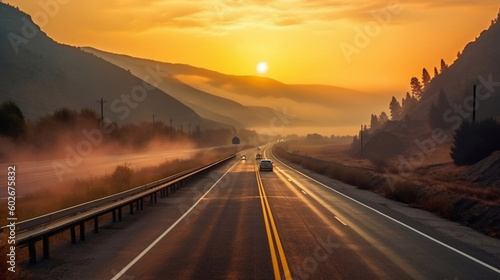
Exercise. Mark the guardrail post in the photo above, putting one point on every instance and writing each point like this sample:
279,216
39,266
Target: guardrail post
82,231
114,215
32,252
120,214
142,203
131,208
73,234
96,224
155,196
45,247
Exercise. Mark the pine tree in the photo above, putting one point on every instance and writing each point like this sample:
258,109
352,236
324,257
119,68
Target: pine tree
436,73
444,66
426,78
395,109
416,87
437,110
409,102
383,118
12,122
374,122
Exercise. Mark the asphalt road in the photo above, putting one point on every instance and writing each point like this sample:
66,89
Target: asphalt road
232,225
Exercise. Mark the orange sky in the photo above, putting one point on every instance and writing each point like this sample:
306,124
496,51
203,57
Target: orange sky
373,46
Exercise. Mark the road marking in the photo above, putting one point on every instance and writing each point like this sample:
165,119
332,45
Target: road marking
145,251
304,192
271,224
397,221
340,221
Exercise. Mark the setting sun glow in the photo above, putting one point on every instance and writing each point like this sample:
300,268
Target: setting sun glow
337,42
262,68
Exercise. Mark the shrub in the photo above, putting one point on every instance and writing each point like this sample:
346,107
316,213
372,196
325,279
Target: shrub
405,192
473,142
122,176
12,122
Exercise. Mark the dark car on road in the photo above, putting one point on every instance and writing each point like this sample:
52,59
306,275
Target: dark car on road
266,164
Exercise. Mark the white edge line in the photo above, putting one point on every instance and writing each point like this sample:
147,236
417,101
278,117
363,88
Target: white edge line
145,251
396,221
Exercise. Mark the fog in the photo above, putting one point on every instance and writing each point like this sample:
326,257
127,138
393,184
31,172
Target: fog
72,156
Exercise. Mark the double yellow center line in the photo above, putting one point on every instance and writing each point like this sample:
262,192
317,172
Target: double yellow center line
273,237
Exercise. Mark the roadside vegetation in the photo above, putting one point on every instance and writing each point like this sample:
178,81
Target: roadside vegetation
451,197
49,136
73,192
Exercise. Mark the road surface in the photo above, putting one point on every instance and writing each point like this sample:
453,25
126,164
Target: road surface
238,223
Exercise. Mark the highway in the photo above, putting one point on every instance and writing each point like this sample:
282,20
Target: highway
238,223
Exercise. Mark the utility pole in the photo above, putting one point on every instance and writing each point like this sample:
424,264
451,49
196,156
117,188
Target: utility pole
171,127
474,106
361,140
102,108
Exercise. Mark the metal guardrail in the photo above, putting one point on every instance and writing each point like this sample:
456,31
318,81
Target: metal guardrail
41,228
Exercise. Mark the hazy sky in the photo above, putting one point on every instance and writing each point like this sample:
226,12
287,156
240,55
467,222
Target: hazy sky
374,46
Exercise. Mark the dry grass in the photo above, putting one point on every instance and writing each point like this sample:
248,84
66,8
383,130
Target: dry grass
434,184
335,170
70,193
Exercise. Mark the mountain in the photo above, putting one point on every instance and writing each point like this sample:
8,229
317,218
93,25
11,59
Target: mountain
248,99
205,104
478,64
41,76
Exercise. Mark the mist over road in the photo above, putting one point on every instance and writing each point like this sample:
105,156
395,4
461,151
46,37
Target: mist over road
32,175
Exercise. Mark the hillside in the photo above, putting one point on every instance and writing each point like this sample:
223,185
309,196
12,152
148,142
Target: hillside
41,75
205,104
479,62
248,99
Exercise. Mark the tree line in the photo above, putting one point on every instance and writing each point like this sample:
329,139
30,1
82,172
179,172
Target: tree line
54,130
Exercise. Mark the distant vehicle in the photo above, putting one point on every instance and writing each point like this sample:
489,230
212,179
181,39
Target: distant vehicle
243,157
259,156
266,164
259,148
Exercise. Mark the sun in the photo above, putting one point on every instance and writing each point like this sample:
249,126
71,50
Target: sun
262,67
